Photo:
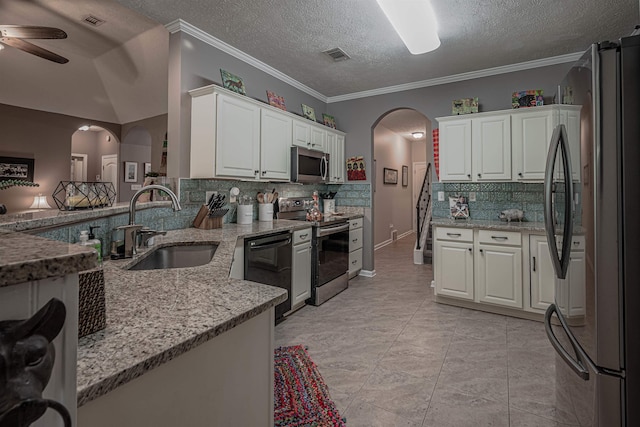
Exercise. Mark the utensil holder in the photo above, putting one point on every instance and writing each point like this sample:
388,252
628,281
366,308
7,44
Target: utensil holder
265,212
206,220
245,214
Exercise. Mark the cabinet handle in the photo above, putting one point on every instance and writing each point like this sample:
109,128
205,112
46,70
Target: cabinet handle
468,175
520,174
454,234
503,238
256,171
479,175
576,243
354,261
534,263
354,240
470,250
264,172
304,236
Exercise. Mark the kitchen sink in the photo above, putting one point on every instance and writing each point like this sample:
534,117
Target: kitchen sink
177,256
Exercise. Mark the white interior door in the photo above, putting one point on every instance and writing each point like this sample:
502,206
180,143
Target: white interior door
110,170
78,167
419,171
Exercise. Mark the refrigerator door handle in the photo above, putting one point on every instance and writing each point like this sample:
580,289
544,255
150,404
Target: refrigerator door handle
560,261
578,365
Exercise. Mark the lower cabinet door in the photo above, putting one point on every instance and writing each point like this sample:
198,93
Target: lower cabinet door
577,277
499,275
542,275
454,269
301,274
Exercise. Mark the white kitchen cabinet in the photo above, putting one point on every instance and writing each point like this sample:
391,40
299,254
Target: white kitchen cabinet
308,135
541,273
335,148
455,149
276,139
355,246
233,136
238,137
498,275
570,117
491,148
301,268
531,134
571,290
453,263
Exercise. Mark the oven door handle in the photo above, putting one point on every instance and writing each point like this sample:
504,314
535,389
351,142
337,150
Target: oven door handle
325,231
270,245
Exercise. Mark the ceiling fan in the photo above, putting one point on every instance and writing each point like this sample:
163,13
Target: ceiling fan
13,35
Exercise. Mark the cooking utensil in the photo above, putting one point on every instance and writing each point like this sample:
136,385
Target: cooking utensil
260,197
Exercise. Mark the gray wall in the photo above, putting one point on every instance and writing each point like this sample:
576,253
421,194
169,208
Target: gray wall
198,64
359,115
135,147
157,128
45,137
95,145
392,202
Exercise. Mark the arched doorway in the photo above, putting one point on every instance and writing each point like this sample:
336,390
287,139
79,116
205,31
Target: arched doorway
395,149
135,154
94,156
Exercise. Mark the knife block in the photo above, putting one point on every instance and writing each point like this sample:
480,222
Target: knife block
205,221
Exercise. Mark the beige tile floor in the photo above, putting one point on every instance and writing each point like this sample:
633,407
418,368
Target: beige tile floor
392,356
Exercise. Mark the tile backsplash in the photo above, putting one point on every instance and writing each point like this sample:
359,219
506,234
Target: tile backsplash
492,198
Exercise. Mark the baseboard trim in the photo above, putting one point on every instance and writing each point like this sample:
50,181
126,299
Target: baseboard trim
382,244
367,273
505,311
405,234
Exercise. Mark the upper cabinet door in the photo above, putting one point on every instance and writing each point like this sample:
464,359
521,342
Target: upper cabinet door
570,118
237,138
531,134
275,148
301,134
455,150
491,142
318,139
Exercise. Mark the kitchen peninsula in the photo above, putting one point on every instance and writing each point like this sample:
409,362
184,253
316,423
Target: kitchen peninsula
181,346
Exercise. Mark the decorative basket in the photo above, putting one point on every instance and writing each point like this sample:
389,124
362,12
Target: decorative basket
70,195
91,303
208,220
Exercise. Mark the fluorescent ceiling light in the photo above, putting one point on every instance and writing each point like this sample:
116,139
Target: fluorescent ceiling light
85,127
417,135
415,23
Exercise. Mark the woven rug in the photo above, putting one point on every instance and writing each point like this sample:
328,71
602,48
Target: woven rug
301,396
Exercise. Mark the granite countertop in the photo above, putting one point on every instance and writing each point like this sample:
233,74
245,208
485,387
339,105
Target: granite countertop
496,225
154,316
24,258
43,218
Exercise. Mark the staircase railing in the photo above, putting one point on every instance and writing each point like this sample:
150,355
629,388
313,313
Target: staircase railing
423,205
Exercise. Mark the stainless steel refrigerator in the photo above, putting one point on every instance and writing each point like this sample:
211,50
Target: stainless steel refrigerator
598,352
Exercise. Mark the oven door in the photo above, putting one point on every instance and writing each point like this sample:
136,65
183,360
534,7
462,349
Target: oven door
332,245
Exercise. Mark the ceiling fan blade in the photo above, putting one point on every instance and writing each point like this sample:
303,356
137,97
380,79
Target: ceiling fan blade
33,49
31,32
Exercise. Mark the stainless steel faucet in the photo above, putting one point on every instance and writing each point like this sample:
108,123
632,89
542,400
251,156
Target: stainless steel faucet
131,230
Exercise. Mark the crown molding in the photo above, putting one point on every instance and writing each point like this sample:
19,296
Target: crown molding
561,59
180,25
185,27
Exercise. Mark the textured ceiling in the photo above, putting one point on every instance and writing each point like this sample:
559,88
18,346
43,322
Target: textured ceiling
118,71
290,35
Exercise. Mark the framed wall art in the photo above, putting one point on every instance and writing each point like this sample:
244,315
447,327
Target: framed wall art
147,169
308,112
405,176
390,176
276,100
232,82
16,168
329,120
130,171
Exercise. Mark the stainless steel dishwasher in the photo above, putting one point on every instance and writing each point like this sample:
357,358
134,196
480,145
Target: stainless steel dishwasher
267,259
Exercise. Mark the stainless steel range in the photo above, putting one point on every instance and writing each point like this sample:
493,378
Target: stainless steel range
330,248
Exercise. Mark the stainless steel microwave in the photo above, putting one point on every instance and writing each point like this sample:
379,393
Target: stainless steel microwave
309,166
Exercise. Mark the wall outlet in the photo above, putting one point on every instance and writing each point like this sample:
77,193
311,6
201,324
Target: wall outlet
472,196
208,194
135,187
441,196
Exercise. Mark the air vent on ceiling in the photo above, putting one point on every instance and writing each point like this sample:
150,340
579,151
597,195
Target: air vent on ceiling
337,54
93,20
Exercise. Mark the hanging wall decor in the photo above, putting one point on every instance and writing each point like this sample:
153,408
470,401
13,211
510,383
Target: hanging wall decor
355,169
